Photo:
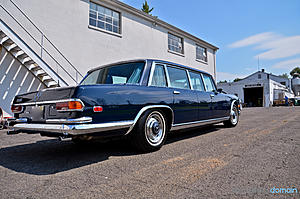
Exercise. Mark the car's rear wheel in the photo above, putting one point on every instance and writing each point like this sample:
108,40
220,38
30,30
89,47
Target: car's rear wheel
234,117
150,131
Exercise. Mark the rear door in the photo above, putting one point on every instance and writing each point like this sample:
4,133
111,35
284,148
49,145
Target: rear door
204,98
218,101
185,100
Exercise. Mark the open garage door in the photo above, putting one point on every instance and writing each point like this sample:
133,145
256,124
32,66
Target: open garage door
253,97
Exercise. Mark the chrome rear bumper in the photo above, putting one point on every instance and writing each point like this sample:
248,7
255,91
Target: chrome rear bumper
69,128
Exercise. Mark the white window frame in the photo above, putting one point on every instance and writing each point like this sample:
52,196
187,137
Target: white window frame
182,44
201,60
95,27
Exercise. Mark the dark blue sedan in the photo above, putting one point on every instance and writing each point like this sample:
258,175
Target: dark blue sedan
140,99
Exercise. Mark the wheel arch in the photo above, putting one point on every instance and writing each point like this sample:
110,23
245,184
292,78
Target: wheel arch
167,111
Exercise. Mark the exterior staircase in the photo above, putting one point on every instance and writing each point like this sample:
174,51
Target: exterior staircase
39,70
36,52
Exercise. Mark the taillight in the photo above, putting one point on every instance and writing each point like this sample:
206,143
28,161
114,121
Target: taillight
16,108
69,106
98,109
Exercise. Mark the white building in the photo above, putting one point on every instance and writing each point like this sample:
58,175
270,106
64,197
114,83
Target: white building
259,88
54,43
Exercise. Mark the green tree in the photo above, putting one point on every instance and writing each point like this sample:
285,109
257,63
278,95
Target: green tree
284,75
146,8
224,81
236,79
295,72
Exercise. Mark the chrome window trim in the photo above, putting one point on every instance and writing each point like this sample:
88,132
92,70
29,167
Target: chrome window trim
137,117
189,78
151,73
198,123
205,90
167,76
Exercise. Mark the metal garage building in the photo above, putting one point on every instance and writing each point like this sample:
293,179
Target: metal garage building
259,89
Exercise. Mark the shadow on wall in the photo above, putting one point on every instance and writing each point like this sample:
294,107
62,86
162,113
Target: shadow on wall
15,79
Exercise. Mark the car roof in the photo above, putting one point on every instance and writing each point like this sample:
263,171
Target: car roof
150,60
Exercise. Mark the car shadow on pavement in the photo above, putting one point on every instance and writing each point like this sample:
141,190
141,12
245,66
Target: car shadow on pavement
52,156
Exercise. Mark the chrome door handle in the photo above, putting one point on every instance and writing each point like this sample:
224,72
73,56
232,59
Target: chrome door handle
212,95
176,92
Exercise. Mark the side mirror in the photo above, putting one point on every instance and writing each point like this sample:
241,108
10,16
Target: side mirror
220,90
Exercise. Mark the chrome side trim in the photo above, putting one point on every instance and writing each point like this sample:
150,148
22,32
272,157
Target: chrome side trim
49,102
78,129
198,123
70,121
137,117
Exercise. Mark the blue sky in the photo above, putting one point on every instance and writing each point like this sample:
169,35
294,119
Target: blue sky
243,30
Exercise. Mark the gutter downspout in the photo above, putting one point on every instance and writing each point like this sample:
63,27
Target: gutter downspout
215,70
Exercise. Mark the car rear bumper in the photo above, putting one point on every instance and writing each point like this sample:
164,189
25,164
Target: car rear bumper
65,127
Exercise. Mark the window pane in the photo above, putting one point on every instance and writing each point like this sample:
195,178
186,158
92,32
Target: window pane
100,24
175,43
201,53
93,6
208,83
196,81
110,17
92,22
178,78
129,73
159,77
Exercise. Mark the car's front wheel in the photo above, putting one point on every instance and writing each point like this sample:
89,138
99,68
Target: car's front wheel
234,117
150,132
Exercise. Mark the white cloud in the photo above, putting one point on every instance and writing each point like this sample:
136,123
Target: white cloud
288,64
228,76
255,39
273,45
280,48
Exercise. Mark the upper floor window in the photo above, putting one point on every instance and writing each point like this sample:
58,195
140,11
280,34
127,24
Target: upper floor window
209,84
201,53
259,76
178,78
175,43
104,18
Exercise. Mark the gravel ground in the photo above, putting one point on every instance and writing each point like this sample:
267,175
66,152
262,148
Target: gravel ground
247,161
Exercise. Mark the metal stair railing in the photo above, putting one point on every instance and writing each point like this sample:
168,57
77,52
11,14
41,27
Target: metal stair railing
45,49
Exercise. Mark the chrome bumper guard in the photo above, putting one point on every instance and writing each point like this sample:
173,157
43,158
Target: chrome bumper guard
66,126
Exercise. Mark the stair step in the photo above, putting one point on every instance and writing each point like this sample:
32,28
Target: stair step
18,53
46,78
27,61
51,84
33,67
12,46
4,39
39,72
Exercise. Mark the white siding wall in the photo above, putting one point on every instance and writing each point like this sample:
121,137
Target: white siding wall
66,23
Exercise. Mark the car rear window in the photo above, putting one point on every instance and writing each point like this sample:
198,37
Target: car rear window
128,73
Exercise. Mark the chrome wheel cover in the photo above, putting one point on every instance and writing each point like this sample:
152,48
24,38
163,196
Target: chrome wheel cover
155,128
234,116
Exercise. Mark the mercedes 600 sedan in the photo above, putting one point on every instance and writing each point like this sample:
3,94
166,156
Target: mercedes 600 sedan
140,99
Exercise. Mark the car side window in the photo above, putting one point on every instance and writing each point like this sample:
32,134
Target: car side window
209,85
159,77
178,78
196,81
